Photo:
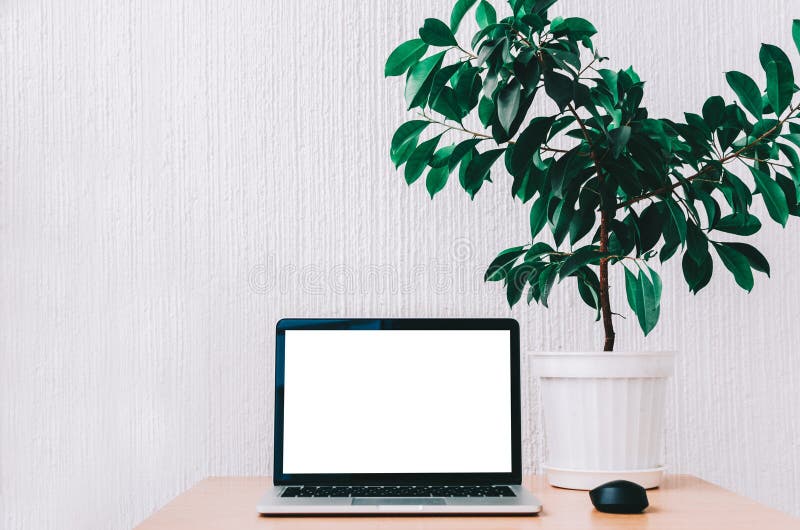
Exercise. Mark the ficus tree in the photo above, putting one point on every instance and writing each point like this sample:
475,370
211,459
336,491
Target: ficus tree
622,188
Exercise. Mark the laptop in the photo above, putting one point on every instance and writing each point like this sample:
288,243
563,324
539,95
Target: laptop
397,416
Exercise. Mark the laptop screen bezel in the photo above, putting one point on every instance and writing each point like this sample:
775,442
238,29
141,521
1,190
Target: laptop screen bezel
334,479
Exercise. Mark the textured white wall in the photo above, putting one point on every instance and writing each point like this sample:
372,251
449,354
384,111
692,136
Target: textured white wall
177,175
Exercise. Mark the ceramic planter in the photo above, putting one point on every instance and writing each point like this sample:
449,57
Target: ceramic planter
603,416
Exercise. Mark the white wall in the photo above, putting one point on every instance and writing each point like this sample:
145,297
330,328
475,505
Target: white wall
177,175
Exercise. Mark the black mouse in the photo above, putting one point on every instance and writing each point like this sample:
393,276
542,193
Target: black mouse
619,496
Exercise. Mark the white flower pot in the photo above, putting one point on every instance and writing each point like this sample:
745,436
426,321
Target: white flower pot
603,416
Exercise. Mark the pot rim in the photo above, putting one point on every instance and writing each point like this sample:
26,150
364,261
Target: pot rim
603,353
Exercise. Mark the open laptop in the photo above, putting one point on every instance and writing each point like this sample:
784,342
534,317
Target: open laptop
380,416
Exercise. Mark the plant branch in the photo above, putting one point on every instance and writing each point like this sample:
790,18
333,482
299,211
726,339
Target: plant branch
583,127
734,155
521,37
469,53
605,220
594,60
485,136
454,128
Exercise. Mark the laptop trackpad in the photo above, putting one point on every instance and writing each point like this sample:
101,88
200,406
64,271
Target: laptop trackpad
398,501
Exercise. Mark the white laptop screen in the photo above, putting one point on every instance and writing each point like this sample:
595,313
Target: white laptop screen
397,401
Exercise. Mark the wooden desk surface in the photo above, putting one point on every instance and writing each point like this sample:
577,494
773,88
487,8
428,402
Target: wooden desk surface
682,502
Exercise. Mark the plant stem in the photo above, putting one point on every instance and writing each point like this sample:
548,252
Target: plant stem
469,53
485,136
605,298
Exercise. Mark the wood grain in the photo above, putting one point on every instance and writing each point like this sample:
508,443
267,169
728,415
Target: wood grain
682,503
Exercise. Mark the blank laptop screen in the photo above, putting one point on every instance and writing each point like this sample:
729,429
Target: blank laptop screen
397,401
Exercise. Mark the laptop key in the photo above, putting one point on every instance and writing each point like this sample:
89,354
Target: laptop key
398,491
291,492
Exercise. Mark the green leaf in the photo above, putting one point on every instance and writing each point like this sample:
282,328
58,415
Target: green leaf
743,224
650,223
538,250
731,125
796,33
485,15
538,215
565,169
420,158
644,297
404,152
436,179
406,134
792,137
619,139
559,125
780,86
698,123
565,60
528,73
541,6
459,10
468,88
528,143
697,274
736,192
755,258
404,56
447,105
461,151
678,218
788,187
487,50
711,206
574,27
748,92
561,219
737,263
579,258
633,290
794,170
559,87
499,267
547,279
464,165
485,111
478,170
440,79
780,77
774,198
581,224
517,280
713,111
696,242
508,104
442,156
766,129
589,289
420,79
436,33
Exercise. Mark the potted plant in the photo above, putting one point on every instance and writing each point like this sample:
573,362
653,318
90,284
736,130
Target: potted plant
613,186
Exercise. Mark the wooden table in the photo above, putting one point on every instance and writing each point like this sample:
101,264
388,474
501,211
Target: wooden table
682,502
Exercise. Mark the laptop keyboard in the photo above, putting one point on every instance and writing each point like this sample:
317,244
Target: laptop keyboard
398,491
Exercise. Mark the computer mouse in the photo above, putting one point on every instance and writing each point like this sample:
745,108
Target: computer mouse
619,496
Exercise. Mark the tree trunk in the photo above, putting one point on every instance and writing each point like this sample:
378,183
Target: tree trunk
605,302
